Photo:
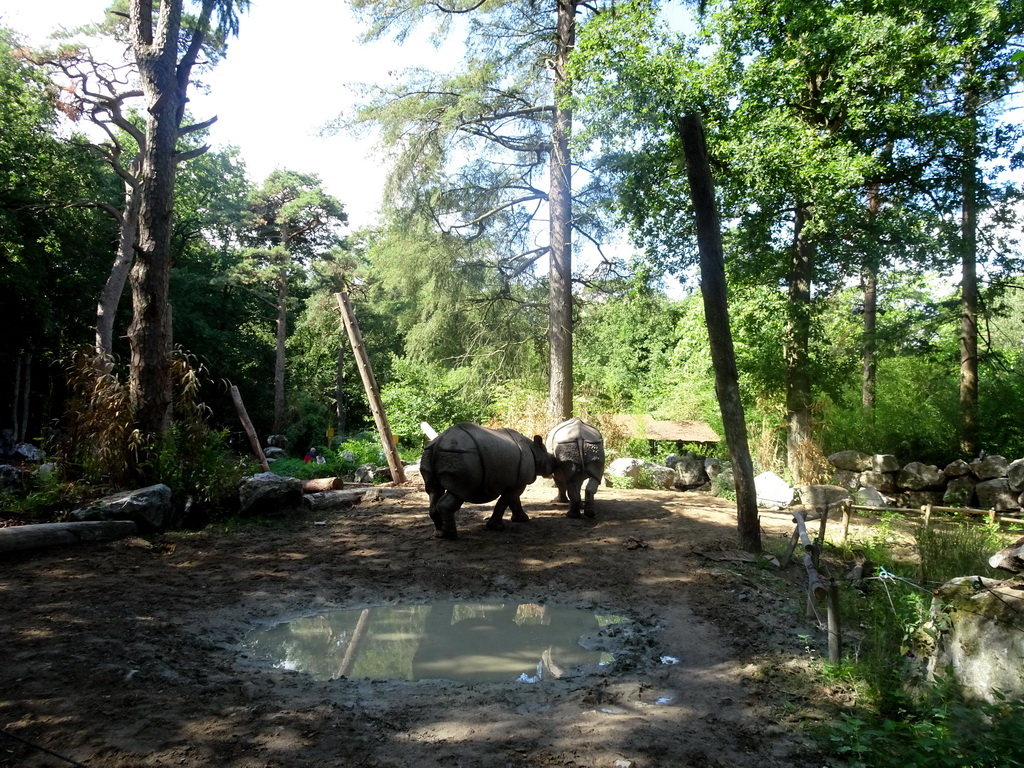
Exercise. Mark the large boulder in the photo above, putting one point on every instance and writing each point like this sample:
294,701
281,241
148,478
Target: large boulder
10,478
957,468
1009,558
772,490
918,499
996,494
917,476
623,468
977,632
715,467
28,452
853,461
959,492
1015,475
822,496
989,467
689,471
846,478
267,493
884,482
149,508
869,497
884,462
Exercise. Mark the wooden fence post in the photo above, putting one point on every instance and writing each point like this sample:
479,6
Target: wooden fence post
370,385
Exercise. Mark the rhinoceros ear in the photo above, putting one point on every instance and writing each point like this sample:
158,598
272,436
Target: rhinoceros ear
538,440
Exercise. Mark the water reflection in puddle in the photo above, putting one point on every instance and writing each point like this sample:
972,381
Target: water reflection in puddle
465,642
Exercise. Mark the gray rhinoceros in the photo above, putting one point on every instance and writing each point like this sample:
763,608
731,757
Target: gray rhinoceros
579,450
470,463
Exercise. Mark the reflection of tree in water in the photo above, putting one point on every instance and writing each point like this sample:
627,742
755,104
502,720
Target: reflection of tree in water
469,642
484,643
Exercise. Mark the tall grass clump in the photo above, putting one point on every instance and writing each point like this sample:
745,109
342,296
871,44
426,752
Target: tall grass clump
100,445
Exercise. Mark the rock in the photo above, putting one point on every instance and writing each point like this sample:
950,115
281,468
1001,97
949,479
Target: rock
959,492
976,632
772,490
660,477
918,499
364,473
989,468
624,467
380,494
7,442
10,478
149,508
853,461
45,472
726,479
28,452
715,467
816,496
884,482
846,478
884,462
689,472
869,497
996,494
267,493
277,441
957,468
1010,558
412,473
1015,475
273,453
919,477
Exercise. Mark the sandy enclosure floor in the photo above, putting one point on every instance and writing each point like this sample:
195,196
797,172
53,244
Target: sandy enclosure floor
130,653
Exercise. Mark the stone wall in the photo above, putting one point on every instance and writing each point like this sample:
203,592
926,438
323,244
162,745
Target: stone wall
988,482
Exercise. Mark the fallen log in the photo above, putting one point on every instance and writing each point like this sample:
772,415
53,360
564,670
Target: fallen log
21,537
316,484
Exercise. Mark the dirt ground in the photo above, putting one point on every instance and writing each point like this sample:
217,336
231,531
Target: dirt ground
130,653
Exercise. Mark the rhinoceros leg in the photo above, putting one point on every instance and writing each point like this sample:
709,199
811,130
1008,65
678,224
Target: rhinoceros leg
511,501
561,498
588,502
574,499
442,512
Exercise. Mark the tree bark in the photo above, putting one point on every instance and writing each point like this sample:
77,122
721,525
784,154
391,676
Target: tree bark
716,311
869,345
149,334
797,352
110,295
282,337
969,286
164,84
560,206
339,390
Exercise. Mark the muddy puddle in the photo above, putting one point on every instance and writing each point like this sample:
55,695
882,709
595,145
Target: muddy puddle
470,642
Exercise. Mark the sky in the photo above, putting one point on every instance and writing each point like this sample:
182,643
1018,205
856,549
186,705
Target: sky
290,71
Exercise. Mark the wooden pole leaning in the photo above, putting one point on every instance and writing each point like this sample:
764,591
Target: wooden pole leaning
370,385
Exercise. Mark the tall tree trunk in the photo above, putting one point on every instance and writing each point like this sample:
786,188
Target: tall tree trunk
339,390
716,311
797,352
282,337
149,334
110,295
969,286
164,84
869,283
560,205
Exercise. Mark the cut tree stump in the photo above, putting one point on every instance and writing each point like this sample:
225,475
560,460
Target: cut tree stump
20,537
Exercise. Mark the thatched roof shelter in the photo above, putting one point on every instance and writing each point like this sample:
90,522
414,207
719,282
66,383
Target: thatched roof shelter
649,428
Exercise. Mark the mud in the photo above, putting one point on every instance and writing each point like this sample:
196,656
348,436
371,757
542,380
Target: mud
130,653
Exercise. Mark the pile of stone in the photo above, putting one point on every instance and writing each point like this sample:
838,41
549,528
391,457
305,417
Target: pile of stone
987,482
